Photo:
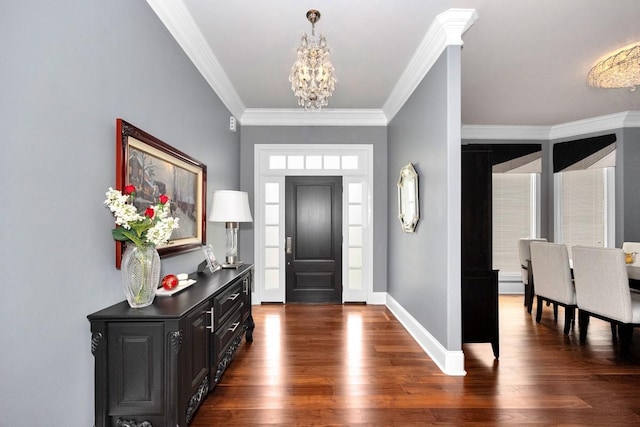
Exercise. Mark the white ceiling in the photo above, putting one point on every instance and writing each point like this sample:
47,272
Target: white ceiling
524,62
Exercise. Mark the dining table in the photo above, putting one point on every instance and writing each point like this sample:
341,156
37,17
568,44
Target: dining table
633,272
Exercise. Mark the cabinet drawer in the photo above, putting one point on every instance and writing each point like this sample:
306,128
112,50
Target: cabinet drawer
227,333
227,302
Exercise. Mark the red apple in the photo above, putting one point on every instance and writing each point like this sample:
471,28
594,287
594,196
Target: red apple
170,281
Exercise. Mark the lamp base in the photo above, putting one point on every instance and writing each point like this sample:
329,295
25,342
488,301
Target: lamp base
231,261
234,265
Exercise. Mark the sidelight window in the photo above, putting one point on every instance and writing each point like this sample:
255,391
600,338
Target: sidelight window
273,164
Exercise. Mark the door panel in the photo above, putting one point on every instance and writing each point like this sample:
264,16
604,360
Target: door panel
314,226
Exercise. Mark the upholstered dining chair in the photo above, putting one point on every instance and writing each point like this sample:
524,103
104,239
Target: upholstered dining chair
602,291
524,253
554,284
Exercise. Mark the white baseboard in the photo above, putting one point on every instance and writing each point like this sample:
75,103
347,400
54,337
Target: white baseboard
449,362
505,288
378,298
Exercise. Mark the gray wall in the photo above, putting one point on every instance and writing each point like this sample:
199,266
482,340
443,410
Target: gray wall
374,135
418,263
70,69
630,200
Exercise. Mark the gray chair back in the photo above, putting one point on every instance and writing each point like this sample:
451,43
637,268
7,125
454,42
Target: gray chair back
552,272
602,283
524,253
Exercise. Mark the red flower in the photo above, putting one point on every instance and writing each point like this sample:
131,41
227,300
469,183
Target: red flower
163,199
149,212
129,189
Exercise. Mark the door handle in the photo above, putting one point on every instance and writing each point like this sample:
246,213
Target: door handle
288,246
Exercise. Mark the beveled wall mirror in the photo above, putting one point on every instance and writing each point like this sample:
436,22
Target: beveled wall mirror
408,210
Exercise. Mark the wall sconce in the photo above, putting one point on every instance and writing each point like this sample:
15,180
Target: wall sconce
232,208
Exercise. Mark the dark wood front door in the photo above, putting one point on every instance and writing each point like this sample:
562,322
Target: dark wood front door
313,227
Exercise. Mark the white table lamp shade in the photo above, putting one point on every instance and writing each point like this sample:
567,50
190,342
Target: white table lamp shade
230,206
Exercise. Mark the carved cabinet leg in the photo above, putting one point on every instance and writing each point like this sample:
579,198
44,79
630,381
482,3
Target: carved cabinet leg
249,326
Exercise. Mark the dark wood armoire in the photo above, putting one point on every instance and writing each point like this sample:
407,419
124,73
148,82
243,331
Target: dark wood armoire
479,279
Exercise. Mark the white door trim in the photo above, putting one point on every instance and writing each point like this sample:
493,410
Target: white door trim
263,174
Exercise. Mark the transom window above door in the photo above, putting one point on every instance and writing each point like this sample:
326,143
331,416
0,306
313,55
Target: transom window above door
313,162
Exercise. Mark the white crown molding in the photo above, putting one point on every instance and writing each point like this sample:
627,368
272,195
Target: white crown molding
632,120
596,124
324,117
626,119
455,22
176,17
505,132
446,29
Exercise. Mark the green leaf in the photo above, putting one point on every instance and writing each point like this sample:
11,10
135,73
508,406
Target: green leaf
123,235
141,227
118,234
135,239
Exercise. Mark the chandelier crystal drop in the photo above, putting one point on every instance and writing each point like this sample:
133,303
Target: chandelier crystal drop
619,70
312,76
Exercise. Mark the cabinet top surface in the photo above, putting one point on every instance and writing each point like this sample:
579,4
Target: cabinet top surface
207,285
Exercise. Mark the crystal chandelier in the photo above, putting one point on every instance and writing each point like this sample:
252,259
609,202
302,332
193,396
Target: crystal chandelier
619,70
312,75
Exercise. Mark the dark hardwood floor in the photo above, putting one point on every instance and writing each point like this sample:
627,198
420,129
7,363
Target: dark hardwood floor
355,365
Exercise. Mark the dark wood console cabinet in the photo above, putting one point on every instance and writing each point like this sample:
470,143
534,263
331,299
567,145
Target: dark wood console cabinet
479,280
155,365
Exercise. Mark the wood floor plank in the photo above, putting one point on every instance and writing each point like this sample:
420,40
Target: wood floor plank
355,365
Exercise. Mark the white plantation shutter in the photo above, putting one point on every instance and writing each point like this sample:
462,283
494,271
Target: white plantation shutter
584,182
583,207
515,194
513,218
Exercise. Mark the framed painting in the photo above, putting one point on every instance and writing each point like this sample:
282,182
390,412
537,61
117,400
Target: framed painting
154,167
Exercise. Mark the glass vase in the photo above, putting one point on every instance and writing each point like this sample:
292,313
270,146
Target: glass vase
140,274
